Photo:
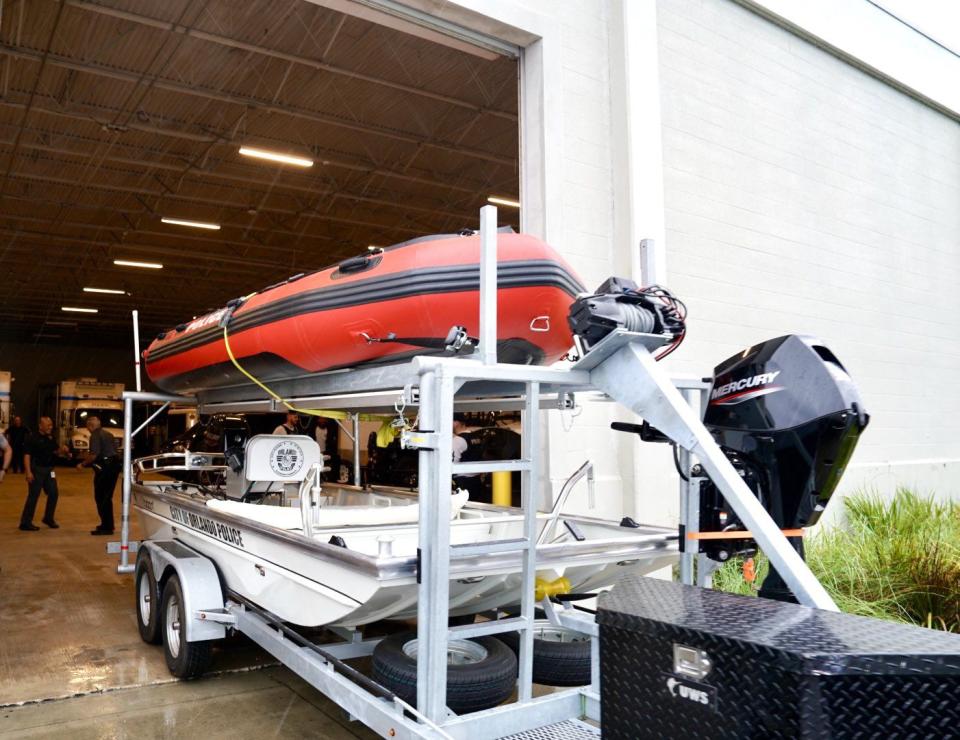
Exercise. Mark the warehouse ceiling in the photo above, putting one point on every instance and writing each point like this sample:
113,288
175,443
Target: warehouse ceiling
118,113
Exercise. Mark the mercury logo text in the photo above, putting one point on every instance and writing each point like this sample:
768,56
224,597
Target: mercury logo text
755,381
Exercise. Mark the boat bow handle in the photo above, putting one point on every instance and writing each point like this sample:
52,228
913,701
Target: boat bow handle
540,323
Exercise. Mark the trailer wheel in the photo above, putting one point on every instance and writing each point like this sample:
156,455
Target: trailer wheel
561,657
184,659
481,673
148,600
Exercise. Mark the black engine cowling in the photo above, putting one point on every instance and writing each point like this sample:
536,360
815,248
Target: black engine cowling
788,416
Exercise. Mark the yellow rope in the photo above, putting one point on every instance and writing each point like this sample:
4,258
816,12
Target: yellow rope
324,413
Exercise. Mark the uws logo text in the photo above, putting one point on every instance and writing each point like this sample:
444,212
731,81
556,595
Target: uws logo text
682,691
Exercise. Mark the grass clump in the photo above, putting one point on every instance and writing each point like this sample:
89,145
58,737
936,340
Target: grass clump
896,559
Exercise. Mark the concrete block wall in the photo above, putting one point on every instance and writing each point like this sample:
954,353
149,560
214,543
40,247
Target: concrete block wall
803,195
586,234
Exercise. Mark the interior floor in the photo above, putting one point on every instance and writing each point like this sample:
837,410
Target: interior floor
72,662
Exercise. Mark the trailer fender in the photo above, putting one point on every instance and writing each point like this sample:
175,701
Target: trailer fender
199,581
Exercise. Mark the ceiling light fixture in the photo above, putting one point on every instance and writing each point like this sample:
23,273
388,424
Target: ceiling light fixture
497,200
191,224
135,263
77,309
250,151
109,291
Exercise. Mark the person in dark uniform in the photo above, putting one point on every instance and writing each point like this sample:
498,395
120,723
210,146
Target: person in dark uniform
102,457
470,482
40,453
290,426
17,434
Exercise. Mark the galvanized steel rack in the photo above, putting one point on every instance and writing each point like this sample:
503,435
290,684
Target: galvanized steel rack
620,367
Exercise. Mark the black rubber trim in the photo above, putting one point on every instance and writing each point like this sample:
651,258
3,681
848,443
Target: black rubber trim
451,279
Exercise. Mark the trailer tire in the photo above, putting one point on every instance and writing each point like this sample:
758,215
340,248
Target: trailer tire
147,600
184,659
559,657
485,679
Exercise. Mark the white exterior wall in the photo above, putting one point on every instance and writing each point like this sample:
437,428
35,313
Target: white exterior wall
800,195
587,231
803,195
567,186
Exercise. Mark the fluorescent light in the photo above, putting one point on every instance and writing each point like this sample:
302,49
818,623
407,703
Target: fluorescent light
134,263
110,291
497,200
48,322
249,151
76,309
191,224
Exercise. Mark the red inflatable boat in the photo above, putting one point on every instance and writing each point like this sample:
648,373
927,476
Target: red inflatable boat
363,309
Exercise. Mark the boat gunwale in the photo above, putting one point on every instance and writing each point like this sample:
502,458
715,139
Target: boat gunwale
404,568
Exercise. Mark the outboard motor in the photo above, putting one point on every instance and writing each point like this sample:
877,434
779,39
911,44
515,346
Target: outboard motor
785,412
788,416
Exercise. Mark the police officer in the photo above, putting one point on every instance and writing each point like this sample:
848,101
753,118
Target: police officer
102,457
290,425
40,453
471,482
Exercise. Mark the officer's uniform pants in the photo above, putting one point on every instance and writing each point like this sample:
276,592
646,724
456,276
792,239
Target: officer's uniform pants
104,481
43,479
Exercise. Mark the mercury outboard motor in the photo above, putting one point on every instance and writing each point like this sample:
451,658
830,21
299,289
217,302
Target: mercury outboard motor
788,416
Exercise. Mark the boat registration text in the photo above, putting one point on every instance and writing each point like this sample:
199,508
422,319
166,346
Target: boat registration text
221,531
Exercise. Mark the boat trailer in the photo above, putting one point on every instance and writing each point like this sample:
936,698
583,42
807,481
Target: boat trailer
621,366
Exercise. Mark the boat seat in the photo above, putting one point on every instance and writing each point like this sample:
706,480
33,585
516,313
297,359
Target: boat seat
289,517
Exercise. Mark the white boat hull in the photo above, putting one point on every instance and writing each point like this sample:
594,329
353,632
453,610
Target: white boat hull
309,582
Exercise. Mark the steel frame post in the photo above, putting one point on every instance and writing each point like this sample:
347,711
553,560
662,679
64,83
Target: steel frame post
356,450
488,285
124,566
425,550
633,378
433,608
529,490
689,498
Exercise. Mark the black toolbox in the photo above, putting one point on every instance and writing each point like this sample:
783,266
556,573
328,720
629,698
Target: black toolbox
683,662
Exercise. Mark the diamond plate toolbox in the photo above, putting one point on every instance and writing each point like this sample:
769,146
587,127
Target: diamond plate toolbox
683,662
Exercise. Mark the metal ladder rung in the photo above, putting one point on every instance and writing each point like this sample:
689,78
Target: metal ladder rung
485,548
491,466
493,627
